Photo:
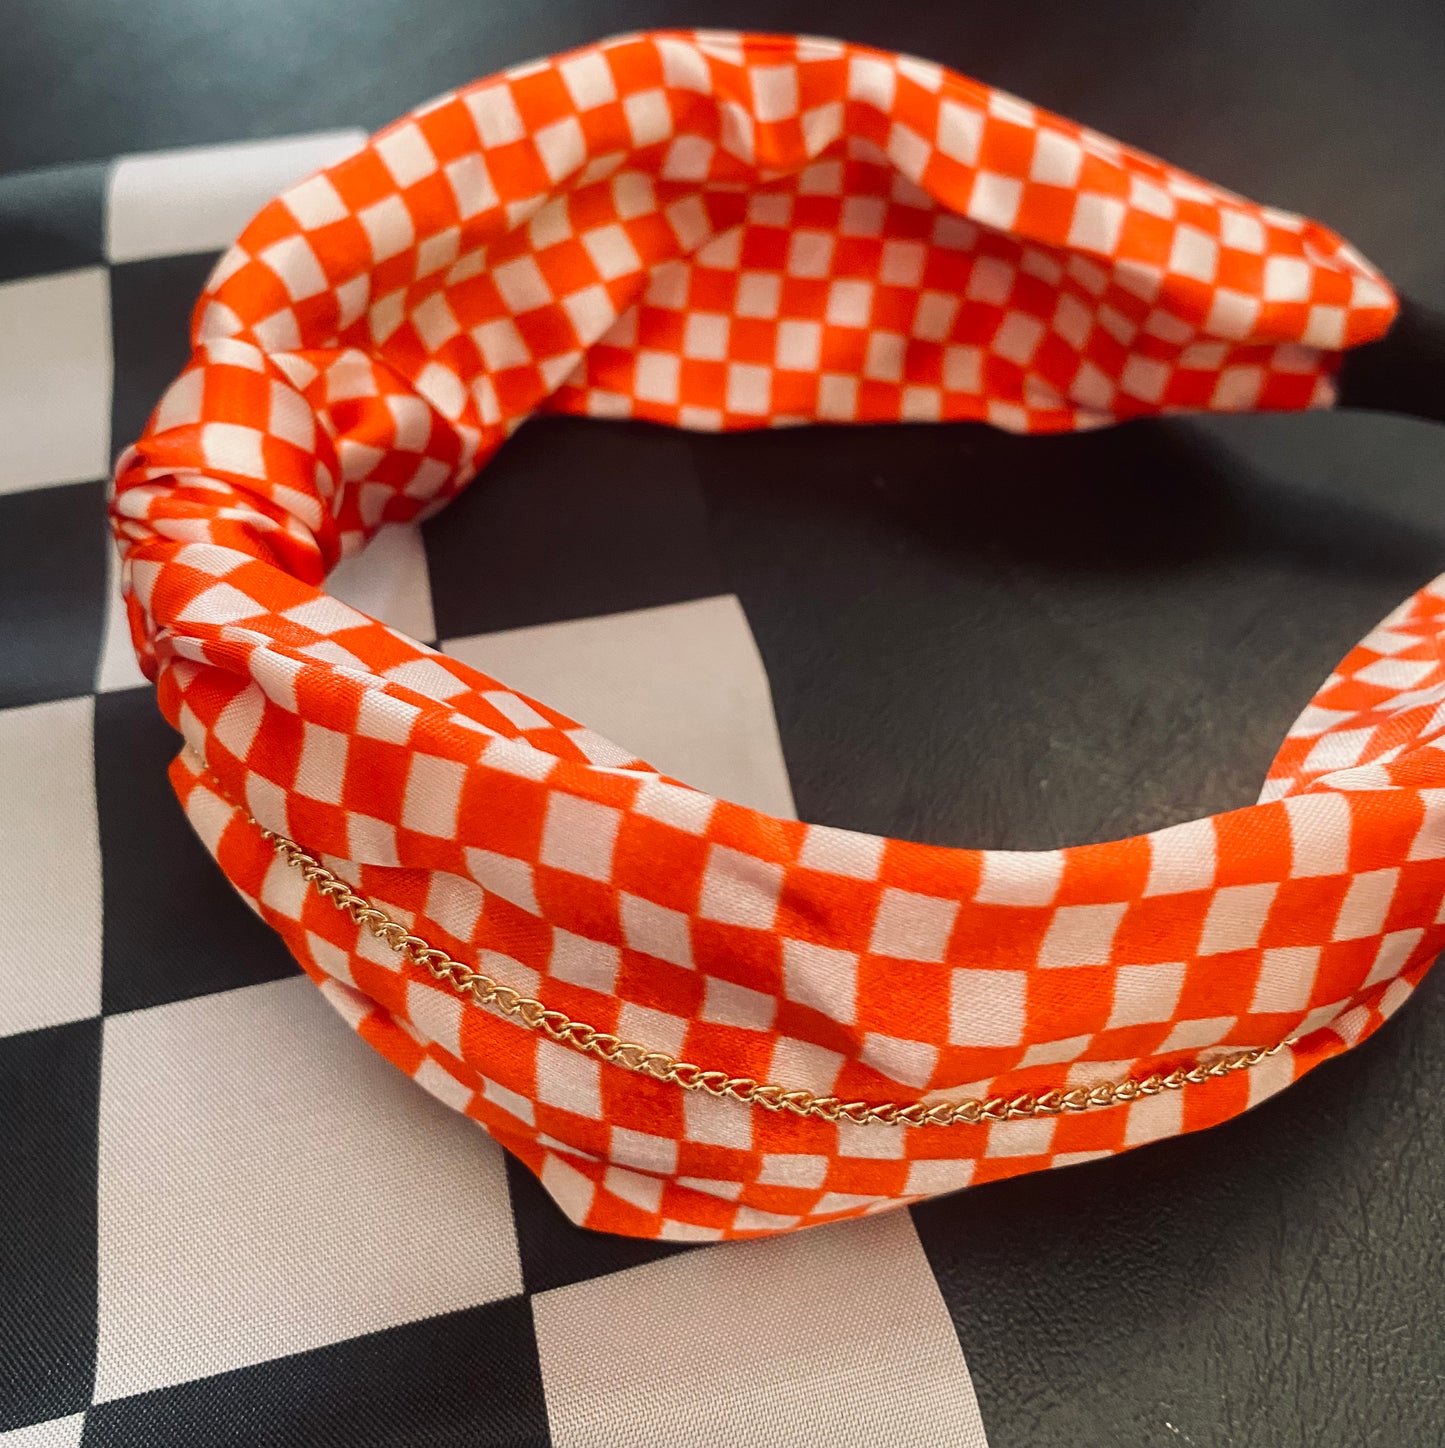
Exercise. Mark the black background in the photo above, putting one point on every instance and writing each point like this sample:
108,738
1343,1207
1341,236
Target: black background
986,640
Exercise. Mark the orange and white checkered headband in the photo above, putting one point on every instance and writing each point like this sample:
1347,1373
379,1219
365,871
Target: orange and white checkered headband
694,1021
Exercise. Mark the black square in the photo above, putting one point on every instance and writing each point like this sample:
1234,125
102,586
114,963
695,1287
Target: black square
49,1099
53,544
150,315
555,1252
52,220
573,518
464,1380
174,926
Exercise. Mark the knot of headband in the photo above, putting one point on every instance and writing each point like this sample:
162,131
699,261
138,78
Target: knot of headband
691,1020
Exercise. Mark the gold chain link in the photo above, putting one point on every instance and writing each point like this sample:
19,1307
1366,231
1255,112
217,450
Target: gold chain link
973,1111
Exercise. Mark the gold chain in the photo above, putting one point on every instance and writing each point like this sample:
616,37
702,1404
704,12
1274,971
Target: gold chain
486,991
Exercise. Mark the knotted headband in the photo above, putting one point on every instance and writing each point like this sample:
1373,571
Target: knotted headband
691,1020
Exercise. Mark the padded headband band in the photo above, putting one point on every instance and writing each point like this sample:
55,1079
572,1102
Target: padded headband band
690,1019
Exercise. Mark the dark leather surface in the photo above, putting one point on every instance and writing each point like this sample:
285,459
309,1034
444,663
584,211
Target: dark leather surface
1027,642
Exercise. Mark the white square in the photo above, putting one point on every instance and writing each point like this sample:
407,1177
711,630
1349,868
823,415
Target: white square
569,1080
909,152
911,1062
759,294
1236,918
717,1121
871,79
1018,337
1232,314
933,321
472,186
580,835
581,961
775,91
837,397
963,369
1195,254
909,926
902,264
390,582
675,805
1024,1137
656,930
1020,876
1081,934
642,1151
1237,389
296,265
850,303
321,770
1366,904
822,977
561,147
792,1169
1096,223
1154,200
862,216
405,152
786,1291
656,1030
1286,980
242,1108
656,377
842,852
454,903
55,405
798,346
800,1064
1181,858
588,79
988,1007
869,1142
435,323
810,253
1287,279
388,227
1242,232
930,1178
884,356
649,117
1057,158
729,1004
1146,994
1319,828
437,1013
51,895
1196,1035
315,203
705,336
991,280
995,200
1052,1053
522,285
749,388
1154,1117
612,251
501,345
740,889
197,199
960,132
1394,954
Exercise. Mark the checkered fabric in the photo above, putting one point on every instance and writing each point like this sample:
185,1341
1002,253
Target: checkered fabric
726,231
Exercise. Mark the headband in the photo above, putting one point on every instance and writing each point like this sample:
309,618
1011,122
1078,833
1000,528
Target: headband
691,1020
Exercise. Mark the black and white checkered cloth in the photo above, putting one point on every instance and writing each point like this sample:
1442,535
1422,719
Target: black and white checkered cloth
223,1221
